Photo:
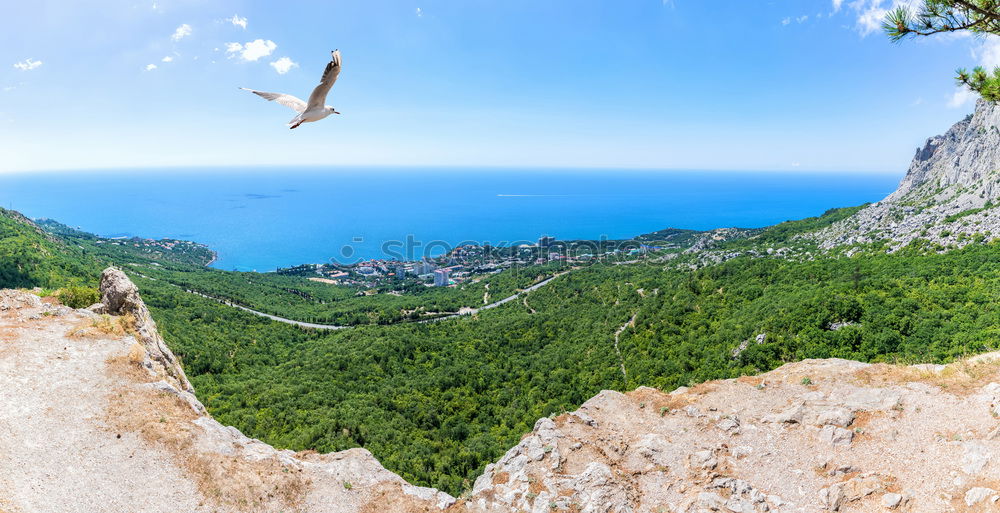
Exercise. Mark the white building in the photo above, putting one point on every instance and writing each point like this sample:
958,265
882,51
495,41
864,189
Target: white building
441,278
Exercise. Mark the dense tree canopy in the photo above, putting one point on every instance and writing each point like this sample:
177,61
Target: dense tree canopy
435,402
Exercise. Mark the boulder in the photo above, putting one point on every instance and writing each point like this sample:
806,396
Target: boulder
121,297
891,500
836,436
979,494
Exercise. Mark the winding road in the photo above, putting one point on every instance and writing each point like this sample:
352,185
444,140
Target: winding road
310,325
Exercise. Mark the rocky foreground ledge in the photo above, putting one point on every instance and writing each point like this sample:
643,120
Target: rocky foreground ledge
97,416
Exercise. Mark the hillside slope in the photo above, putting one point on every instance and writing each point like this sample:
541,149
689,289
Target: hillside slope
92,419
947,196
94,416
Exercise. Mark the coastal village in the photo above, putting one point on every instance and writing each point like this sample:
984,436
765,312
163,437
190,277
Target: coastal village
465,262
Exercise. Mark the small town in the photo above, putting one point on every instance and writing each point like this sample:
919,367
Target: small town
467,262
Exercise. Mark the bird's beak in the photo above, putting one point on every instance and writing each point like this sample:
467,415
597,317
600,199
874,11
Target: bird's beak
335,112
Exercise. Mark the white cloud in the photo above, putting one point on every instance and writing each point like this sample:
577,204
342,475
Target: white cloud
167,59
251,51
27,64
420,12
150,67
239,22
786,21
802,19
988,53
962,97
837,4
871,13
988,56
182,31
284,65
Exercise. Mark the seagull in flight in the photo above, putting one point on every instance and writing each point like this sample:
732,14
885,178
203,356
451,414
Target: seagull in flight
316,109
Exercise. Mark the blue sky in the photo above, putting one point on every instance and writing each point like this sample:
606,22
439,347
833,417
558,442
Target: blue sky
685,84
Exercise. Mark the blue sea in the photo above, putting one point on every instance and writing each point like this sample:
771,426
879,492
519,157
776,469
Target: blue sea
265,218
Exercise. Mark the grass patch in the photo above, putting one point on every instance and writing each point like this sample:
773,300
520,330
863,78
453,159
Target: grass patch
968,212
105,326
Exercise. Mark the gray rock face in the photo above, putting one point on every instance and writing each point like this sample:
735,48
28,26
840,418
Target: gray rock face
836,436
15,299
979,494
966,153
121,297
951,176
891,500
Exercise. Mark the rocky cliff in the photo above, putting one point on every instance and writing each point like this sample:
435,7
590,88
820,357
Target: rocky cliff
947,196
95,415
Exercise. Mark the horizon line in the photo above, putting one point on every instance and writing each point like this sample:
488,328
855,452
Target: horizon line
439,167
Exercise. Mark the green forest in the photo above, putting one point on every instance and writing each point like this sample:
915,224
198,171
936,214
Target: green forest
297,298
435,402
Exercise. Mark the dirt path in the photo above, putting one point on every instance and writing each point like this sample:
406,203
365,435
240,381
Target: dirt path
57,457
526,305
622,328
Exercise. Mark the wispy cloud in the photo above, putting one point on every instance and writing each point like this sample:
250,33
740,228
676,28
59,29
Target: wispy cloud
239,22
961,97
181,32
987,55
150,67
871,13
837,5
798,19
167,59
251,51
27,64
284,65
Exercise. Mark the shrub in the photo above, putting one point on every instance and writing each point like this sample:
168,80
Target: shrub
79,297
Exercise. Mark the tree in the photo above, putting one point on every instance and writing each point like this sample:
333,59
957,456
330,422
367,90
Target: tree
981,17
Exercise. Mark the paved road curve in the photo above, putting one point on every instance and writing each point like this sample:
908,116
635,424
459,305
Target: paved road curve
315,326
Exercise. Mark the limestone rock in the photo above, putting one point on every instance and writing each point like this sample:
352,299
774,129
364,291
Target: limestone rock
836,436
891,500
954,173
121,297
979,494
16,299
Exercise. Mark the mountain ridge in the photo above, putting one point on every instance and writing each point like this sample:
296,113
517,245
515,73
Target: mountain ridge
946,197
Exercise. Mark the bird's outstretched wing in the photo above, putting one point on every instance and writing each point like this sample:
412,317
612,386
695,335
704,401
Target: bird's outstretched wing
285,99
318,97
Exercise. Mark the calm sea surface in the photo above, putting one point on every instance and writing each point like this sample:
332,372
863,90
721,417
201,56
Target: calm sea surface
270,217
